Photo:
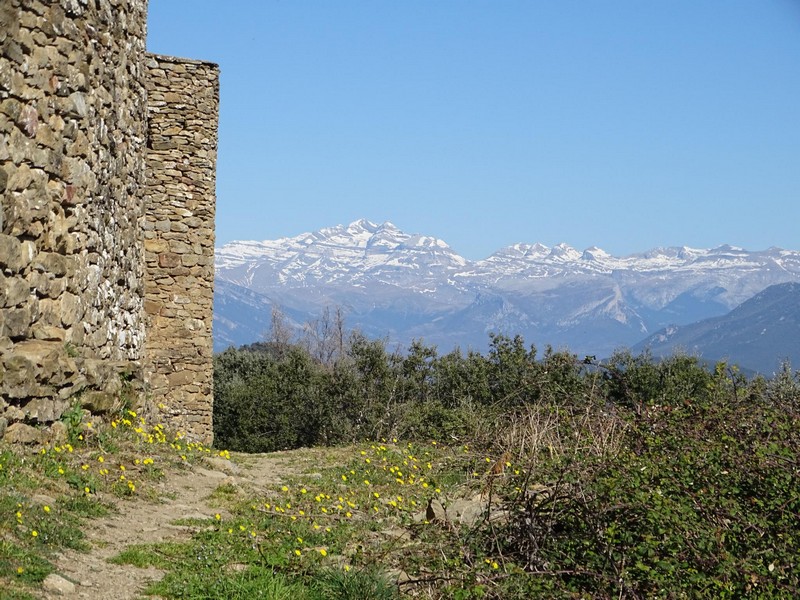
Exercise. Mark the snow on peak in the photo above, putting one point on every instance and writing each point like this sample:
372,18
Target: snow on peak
424,241
520,252
361,226
362,249
564,252
596,254
388,226
728,249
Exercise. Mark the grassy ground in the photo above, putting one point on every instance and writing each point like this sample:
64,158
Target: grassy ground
350,522
699,499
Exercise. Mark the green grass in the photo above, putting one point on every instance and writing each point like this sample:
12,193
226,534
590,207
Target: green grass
698,499
48,494
340,531
368,583
253,582
161,556
22,563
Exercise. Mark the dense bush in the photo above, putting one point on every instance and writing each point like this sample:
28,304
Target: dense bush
698,498
272,396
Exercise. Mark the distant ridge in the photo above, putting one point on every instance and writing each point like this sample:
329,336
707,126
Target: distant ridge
408,286
758,334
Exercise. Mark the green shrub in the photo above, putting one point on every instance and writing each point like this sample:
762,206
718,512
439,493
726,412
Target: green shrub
701,500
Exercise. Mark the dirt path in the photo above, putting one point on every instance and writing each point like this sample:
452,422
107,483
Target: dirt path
183,494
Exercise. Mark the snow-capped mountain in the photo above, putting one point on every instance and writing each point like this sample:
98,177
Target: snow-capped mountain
406,286
360,251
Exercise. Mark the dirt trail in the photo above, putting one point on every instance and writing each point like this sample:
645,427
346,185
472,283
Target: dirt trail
183,494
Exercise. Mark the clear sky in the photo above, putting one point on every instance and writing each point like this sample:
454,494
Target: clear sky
626,124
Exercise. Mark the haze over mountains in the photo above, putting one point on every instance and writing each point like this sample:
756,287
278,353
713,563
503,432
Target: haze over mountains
408,286
758,334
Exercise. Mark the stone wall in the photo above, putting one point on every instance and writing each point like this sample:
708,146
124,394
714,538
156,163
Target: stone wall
73,156
183,101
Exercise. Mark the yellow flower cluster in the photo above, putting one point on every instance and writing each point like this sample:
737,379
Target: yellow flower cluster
382,481
125,482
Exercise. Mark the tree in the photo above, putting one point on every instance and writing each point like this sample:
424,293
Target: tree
325,338
280,332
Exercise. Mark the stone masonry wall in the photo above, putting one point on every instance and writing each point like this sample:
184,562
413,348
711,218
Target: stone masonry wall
183,103
72,133
73,168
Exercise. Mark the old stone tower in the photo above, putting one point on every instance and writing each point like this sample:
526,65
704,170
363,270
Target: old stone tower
107,177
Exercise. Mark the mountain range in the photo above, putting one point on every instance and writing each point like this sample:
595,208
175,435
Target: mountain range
760,333
402,286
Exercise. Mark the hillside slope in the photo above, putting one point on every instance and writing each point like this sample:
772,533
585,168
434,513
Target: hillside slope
758,334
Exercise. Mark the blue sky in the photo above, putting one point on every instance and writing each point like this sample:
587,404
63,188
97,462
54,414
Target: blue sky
626,124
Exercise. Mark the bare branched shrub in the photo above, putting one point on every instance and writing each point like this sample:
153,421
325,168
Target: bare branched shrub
544,430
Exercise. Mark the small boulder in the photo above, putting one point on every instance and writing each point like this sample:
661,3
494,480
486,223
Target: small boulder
433,512
467,511
222,464
56,584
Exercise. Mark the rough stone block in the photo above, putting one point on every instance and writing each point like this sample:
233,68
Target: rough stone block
48,333
13,291
58,585
72,309
152,307
156,245
169,260
17,321
180,247
19,433
100,402
180,378
195,325
51,262
15,254
44,410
